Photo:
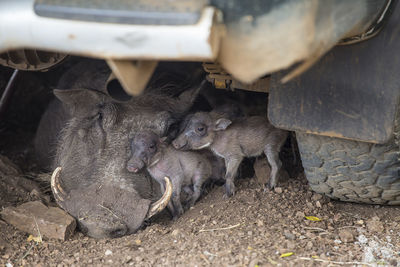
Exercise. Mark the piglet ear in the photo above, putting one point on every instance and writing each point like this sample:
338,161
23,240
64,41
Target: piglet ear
221,124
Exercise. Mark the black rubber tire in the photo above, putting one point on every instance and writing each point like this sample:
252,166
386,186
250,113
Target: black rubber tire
350,170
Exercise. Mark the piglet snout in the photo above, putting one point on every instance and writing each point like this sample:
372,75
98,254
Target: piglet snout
132,169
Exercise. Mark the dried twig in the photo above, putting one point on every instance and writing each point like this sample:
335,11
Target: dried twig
37,227
315,229
349,226
25,254
205,259
110,211
336,262
219,229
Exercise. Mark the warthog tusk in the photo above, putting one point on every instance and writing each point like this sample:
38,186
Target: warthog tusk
58,192
160,204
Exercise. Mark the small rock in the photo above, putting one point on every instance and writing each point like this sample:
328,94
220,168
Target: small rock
175,232
337,217
278,190
289,235
52,222
260,223
346,235
316,197
318,204
360,222
108,252
375,225
128,259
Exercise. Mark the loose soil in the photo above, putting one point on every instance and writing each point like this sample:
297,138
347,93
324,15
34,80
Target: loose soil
253,228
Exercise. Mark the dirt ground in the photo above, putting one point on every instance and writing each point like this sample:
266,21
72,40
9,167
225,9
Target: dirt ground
253,228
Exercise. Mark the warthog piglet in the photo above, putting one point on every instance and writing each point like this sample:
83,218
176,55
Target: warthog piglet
233,141
184,168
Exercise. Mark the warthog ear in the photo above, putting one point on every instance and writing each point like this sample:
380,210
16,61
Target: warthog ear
222,124
80,98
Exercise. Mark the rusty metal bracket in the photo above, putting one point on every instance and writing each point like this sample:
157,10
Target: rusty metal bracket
223,80
133,75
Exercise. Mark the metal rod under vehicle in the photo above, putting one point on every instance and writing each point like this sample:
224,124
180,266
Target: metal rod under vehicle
7,94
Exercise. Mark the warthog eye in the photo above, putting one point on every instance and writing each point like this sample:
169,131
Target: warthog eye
152,147
201,130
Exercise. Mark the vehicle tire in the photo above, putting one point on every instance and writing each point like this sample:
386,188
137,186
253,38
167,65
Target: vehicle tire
350,170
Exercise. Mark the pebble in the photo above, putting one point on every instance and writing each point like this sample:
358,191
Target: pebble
289,235
360,222
346,235
278,190
108,252
175,232
316,197
374,225
318,204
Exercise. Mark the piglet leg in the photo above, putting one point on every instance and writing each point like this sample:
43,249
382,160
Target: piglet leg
196,190
170,207
232,165
176,197
272,153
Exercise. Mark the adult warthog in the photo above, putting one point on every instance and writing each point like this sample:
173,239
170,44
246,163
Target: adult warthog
90,134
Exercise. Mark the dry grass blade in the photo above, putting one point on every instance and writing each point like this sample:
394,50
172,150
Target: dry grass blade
37,227
220,229
109,210
317,229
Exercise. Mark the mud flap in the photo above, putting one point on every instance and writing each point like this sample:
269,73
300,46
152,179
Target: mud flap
353,92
